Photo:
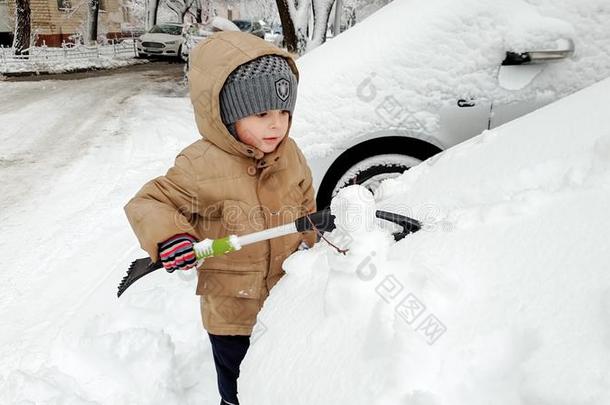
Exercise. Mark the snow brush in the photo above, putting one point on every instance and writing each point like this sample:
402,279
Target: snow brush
320,221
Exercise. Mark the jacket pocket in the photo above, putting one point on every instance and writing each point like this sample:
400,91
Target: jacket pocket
230,283
230,300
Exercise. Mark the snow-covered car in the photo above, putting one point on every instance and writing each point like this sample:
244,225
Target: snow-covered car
161,40
418,77
254,27
505,297
194,33
275,35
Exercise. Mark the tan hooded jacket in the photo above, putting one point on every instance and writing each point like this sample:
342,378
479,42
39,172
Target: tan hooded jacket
220,186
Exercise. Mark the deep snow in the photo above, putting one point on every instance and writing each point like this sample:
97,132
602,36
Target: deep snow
66,174
509,275
503,297
510,265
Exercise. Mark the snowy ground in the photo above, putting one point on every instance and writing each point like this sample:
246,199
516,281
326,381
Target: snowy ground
68,163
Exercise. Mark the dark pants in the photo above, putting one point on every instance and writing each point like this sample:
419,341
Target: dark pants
228,352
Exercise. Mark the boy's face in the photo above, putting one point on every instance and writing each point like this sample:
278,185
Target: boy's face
263,131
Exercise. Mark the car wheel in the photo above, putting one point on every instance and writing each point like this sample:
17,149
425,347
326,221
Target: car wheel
371,171
372,161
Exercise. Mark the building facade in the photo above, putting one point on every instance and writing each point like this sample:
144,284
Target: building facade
6,35
57,21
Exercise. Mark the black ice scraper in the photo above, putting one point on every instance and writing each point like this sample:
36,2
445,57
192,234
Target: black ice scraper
321,221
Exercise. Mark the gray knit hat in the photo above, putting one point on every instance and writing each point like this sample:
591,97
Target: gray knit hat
264,83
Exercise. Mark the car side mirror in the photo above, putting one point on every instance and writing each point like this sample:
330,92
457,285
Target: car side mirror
564,50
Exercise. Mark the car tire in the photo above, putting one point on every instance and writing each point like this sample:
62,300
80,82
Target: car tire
370,172
371,162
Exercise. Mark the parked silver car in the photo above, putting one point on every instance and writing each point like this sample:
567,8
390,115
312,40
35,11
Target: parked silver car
416,78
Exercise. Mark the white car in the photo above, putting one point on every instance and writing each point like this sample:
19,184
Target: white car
162,40
418,77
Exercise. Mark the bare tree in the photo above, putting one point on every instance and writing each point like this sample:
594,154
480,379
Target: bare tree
295,16
151,7
321,14
93,10
181,7
201,11
21,41
207,11
264,9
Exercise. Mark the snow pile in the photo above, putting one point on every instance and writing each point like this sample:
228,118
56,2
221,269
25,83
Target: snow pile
423,55
354,210
59,60
503,297
65,338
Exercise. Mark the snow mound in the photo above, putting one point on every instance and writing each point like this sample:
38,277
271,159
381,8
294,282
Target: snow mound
354,210
503,297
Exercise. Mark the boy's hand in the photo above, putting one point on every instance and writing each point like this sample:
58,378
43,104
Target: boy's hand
177,253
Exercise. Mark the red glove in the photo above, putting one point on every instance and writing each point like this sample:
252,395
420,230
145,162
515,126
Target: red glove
177,253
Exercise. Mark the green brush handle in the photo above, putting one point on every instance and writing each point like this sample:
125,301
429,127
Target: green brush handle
215,247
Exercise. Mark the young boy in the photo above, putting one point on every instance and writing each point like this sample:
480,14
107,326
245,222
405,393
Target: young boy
245,175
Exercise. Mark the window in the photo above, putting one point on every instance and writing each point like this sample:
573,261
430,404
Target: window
64,4
125,11
173,29
243,25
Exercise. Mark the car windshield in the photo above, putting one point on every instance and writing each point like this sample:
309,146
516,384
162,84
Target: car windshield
242,24
166,29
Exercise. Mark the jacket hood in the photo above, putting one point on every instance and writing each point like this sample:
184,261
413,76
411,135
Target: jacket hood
210,63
